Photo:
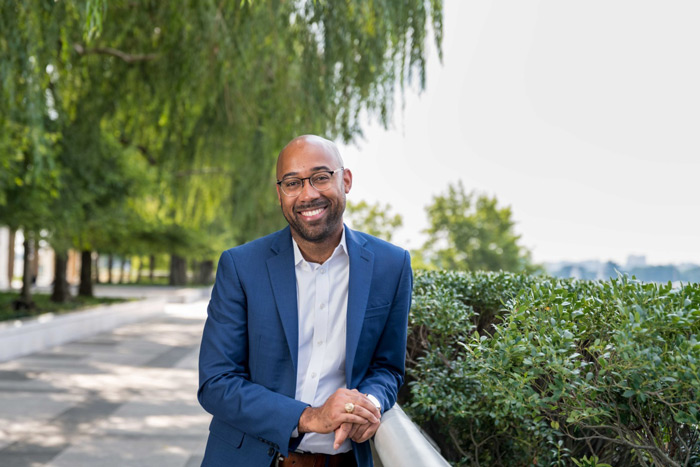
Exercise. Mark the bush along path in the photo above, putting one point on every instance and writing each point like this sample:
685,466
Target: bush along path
514,370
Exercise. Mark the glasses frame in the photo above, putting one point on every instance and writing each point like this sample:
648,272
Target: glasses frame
330,172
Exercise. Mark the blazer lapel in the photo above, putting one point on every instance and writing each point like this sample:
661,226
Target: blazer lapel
280,268
361,266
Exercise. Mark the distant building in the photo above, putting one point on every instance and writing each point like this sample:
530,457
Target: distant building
636,261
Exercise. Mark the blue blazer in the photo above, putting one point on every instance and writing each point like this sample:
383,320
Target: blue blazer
248,356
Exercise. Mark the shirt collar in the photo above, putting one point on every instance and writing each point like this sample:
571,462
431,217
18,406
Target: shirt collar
299,258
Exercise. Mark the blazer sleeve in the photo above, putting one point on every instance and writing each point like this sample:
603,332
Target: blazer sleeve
386,372
225,389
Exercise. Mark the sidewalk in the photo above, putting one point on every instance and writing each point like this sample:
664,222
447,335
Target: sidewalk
121,398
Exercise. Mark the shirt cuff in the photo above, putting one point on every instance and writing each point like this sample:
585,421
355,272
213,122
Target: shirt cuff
375,401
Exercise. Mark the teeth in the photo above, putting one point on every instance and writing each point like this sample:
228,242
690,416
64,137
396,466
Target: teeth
311,213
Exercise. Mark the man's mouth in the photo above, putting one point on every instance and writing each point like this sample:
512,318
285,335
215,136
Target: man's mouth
312,212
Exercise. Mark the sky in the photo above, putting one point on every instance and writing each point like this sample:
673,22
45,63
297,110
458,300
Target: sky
583,117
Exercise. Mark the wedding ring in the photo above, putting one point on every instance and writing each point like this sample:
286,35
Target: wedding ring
349,407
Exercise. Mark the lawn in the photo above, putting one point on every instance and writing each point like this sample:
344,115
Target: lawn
45,305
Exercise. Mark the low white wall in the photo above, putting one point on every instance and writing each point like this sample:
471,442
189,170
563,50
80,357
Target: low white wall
29,335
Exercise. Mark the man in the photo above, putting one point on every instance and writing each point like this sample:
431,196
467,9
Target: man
305,340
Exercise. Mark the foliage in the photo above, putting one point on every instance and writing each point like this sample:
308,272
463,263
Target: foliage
470,232
121,121
375,219
589,373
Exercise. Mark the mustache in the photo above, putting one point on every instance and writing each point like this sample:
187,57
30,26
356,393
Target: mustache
311,205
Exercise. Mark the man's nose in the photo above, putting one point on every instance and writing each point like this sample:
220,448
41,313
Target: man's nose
308,191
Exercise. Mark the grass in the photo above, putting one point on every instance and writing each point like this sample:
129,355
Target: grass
44,305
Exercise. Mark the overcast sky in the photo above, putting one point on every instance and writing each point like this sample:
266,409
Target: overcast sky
583,117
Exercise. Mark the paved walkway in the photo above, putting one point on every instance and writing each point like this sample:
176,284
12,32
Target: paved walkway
122,398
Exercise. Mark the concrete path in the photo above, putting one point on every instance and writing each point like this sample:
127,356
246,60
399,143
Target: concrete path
122,398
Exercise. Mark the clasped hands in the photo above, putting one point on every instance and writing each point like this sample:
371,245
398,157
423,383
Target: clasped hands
360,425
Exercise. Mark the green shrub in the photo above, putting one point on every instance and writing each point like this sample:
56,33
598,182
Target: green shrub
509,369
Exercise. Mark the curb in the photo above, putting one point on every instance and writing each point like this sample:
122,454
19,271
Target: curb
25,336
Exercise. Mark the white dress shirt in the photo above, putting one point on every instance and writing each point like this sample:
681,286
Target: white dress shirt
322,301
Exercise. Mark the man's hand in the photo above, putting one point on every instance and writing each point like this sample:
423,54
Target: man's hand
331,415
356,432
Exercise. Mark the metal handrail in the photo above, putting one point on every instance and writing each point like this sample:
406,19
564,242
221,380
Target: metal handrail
399,442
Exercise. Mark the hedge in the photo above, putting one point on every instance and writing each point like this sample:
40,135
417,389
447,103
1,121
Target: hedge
512,370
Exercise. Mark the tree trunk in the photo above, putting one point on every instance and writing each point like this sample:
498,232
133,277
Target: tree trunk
151,268
85,288
205,275
25,302
122,262
11,258
110,265
96,265
60,293
140,270
178,270
35,261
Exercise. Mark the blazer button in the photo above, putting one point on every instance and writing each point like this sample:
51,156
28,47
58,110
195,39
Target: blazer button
271,452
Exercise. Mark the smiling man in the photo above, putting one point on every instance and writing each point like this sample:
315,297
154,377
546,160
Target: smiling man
304,344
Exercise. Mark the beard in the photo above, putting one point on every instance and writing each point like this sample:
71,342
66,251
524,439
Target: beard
322,229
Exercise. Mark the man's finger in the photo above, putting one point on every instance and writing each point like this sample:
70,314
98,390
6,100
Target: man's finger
357,435
355,429
363,412
341,434
365,402
352,418
367,432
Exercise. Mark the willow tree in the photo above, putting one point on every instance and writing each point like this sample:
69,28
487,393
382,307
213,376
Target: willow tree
28,137
206,93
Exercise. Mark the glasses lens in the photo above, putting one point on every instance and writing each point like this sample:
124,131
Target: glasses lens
291,186
321,181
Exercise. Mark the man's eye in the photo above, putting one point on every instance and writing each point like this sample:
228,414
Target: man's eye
322,178
292,183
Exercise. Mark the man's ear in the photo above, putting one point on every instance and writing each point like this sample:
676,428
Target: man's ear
347,180
279,195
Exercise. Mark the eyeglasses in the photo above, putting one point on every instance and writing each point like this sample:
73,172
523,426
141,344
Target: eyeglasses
321,181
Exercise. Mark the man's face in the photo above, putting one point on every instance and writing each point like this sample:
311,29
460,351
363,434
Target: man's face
313,215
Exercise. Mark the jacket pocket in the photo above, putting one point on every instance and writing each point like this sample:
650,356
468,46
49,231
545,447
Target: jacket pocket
227,433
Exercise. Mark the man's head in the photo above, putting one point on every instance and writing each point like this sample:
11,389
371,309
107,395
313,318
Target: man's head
314,214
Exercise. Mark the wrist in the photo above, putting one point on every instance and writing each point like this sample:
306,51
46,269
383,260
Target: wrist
305,420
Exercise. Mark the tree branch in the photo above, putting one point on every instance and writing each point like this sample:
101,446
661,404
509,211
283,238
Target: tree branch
128,58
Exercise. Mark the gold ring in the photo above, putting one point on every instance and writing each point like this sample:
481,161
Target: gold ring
349,407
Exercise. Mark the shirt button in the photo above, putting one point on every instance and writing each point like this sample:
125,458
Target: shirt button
319,342
313,375
323,306
323,271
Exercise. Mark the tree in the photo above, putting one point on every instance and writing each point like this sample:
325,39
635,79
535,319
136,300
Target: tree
470,232
375,219
154,127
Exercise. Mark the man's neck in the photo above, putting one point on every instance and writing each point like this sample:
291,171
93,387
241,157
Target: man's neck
318,252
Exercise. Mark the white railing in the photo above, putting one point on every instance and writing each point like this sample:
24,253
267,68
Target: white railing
399,442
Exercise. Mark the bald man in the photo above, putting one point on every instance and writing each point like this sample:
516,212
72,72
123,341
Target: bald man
304,344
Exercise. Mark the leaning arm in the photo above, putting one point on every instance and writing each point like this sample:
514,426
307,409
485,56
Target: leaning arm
225,388
386,372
